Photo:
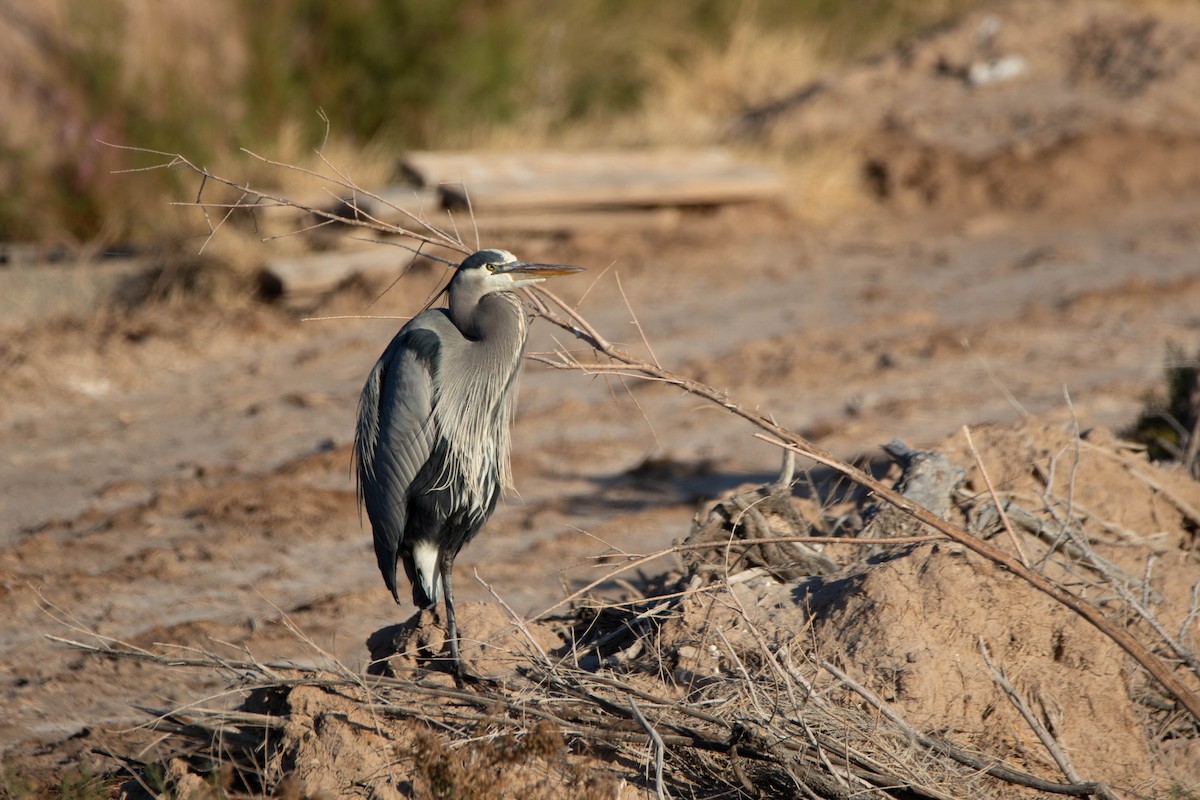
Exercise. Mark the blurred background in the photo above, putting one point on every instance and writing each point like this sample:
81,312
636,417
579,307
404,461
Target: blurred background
207,79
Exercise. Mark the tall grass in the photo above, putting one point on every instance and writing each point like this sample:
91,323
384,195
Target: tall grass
74,74
208,78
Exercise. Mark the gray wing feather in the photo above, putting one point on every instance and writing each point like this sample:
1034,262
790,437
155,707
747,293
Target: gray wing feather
396,432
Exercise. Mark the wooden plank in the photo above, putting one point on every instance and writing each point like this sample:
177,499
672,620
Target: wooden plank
309,275
566,181
567,223
429,168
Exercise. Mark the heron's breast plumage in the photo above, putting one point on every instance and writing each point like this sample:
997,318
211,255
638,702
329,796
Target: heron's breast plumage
475,402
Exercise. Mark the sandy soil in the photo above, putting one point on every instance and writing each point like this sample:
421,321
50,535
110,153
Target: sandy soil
181,474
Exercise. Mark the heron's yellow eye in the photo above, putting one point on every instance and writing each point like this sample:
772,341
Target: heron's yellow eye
491,267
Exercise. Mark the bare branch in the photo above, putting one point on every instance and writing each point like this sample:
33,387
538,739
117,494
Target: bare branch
422,229
775,434
660,749
987,480
1051,744
971,760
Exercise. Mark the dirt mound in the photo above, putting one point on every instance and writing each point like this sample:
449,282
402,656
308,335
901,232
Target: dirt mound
912,624
1016,109
914,628
492,643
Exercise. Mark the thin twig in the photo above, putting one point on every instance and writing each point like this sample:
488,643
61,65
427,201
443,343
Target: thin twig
251,197
988,766
1048,741
438,235
636,322
660,749
354,316
987,480
1193,612
517,620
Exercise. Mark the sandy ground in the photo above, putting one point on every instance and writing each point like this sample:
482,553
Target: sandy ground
182,474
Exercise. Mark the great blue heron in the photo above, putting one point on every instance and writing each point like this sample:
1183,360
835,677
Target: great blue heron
432,442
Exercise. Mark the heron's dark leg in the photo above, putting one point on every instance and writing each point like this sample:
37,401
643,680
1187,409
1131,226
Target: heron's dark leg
447,569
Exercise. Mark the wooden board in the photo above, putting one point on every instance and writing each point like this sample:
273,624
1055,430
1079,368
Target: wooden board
572,181
572,221
308,275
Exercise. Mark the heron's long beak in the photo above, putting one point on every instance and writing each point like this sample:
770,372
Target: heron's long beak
536,273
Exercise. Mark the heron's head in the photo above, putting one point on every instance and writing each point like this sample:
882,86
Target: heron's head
500,271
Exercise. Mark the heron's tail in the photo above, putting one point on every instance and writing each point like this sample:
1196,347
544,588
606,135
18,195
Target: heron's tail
425,573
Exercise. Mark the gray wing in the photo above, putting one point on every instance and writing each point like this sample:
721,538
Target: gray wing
396,432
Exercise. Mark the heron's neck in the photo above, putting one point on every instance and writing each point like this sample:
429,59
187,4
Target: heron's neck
494,318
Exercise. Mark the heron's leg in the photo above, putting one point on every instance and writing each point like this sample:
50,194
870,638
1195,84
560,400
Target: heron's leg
447,569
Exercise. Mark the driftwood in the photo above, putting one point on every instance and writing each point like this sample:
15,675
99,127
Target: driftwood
560,181
745,528
31,290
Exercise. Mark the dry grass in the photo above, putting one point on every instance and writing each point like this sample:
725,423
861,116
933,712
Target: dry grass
825,180
775,721
693,102
74,74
